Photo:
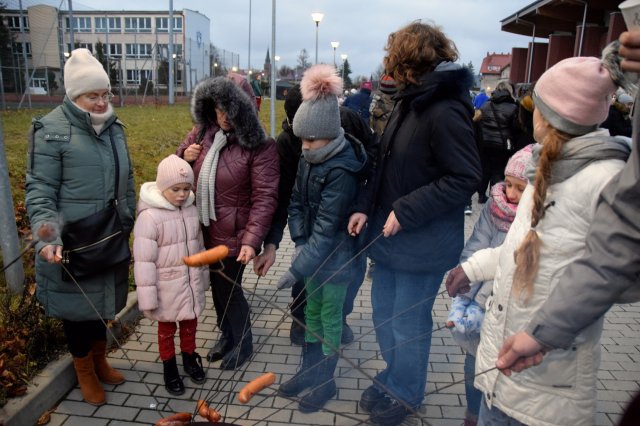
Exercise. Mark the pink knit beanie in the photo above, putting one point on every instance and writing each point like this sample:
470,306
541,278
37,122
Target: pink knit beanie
172,171
517,164
574,95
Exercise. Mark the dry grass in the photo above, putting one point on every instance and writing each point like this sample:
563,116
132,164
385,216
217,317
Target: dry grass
153,132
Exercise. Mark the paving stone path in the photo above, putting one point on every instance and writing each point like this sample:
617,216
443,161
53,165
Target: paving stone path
136,402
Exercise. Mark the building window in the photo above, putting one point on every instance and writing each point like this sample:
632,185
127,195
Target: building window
137,25
115,50
163,50
13,22
162,24
112,25
81,24
80,45
142,50
135,76
17,49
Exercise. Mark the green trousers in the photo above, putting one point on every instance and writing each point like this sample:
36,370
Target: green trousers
323,313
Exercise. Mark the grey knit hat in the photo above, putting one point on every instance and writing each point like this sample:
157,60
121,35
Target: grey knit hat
319,115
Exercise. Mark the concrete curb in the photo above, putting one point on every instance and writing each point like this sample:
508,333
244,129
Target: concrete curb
57,379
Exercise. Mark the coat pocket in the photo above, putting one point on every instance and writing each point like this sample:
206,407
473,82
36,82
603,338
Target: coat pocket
557,371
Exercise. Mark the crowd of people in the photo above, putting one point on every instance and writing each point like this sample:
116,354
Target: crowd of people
391,171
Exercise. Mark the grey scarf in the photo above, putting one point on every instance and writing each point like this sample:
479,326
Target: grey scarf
579,152
205,195
317,156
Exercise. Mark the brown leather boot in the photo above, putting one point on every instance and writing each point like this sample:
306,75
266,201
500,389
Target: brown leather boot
104,371
90,386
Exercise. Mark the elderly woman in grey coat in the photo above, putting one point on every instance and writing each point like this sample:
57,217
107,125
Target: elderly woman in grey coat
77,158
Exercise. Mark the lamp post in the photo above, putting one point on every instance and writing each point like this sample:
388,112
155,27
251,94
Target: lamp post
335,45
317,17
175,71
275,88
344,58
215,69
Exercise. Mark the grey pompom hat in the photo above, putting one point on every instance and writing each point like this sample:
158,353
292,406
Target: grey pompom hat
319,119
319,114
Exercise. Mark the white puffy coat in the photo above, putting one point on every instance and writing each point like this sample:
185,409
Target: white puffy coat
168,290
562,389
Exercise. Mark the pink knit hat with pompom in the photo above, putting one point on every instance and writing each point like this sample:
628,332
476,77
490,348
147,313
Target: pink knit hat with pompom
319,115
574,95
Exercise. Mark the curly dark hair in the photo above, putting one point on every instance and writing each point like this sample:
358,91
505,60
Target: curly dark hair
417,49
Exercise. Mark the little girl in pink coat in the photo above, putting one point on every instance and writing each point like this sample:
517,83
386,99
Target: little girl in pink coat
167,228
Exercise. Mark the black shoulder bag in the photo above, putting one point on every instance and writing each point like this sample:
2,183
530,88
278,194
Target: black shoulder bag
507,145
96,243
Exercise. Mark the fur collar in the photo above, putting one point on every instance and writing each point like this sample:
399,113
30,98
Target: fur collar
223,93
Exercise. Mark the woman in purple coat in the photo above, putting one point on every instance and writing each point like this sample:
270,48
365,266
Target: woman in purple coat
237,172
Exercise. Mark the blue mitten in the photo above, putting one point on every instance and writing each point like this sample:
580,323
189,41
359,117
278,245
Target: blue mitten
474,317
286,281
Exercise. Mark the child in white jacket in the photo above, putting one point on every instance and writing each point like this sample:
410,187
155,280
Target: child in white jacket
574,160
467,310
167,228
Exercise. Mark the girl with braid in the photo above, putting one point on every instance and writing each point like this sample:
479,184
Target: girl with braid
571,163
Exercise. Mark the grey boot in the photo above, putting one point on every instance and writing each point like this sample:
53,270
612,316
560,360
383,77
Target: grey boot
325,386
306,376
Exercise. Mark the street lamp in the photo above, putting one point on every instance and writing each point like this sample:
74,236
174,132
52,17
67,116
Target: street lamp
335,45
344,58
215,69
317,17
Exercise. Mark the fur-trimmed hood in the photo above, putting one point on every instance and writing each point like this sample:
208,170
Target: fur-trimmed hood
223,93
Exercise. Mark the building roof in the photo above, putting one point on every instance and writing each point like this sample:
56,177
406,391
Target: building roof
551,16
495,63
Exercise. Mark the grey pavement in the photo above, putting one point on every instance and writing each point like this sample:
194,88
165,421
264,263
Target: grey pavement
142,399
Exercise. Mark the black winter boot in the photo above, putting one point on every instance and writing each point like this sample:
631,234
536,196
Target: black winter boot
172,381
325,386
238,355
220,349
306,376
192,364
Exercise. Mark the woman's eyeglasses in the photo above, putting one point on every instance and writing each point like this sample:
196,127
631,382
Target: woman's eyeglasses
96,98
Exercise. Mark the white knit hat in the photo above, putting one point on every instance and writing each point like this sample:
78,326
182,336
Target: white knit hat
172,171
83,74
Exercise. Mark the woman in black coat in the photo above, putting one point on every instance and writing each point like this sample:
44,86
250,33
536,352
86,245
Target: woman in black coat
499,134
426,171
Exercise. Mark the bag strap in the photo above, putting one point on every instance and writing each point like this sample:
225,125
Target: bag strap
117,162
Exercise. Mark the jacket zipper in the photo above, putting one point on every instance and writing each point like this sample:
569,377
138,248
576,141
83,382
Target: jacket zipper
107,238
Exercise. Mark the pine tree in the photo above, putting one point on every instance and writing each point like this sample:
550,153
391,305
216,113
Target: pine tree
110,67
345,70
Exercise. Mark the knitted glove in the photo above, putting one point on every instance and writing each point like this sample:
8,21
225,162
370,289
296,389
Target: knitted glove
296,253
286,281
